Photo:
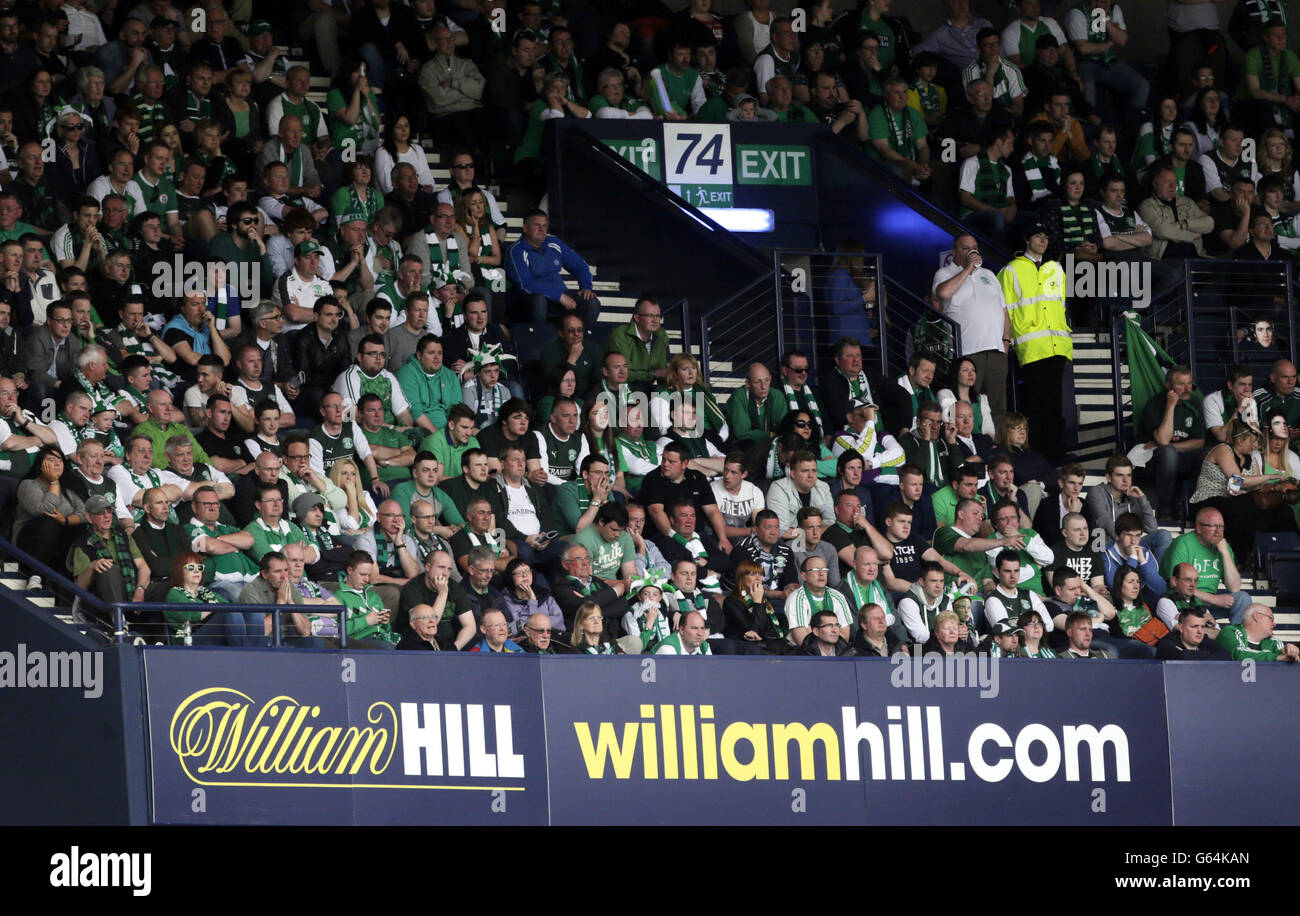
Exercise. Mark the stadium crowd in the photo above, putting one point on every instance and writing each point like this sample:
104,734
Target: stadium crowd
251,353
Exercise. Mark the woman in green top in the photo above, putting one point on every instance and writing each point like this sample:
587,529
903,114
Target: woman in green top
1131,613
37,109
485,253
1032,643
205,627
353,110
562,383
357,196
553,103
589,632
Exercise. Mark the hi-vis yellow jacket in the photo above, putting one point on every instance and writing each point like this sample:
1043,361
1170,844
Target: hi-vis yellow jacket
1035,297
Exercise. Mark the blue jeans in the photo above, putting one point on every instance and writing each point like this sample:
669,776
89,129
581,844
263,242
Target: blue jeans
234,629
1240,601
533,308
375,63
989,223
1158,543
1118,77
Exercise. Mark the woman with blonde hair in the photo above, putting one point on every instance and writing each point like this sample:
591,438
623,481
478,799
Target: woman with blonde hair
682,382
359,516
1230,472
589,632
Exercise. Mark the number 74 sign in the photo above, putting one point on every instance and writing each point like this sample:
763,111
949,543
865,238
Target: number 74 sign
699,155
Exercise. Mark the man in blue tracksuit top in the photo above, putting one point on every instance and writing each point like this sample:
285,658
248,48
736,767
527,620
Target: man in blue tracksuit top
534,267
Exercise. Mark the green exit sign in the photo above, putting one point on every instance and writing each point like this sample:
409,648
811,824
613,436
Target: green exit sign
773,165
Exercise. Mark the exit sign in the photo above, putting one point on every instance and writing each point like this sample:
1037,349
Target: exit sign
773,165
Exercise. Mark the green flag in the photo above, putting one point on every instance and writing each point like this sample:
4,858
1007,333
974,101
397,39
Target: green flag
1147,365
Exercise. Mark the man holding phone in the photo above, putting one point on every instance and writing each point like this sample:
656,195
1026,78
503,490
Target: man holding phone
969,294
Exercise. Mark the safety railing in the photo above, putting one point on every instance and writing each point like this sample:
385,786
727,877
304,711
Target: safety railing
53,578
116,612
677,316
119,609
1208,319
911,323
742,329
1224,300
823,296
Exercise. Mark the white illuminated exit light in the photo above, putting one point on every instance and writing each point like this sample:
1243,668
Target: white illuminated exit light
741,219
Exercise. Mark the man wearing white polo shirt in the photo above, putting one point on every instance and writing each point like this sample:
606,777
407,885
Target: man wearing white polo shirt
969,294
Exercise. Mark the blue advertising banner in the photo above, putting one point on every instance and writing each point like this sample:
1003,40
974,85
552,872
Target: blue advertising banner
824,741
1234,739
329,738
1023,742
248,737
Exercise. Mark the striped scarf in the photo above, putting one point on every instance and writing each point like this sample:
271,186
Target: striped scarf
928,96
991,182
117,549
1077,223
792,399
859,387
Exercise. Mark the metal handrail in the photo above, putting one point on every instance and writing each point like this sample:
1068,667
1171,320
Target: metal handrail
275,610
921,307
58,578
721,306
684,304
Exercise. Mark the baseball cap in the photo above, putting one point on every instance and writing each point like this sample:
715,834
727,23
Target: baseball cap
307,247
1036,227
257,27
98,503
1005,627
858,403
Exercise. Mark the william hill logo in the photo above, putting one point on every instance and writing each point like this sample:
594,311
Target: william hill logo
222,737
685,742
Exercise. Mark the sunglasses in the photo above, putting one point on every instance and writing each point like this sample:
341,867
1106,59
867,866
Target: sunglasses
802,424
193,567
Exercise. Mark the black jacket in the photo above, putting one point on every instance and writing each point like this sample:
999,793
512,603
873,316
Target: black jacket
742,617
809,647
931,647
612,604
500,501
322,363
1170,649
